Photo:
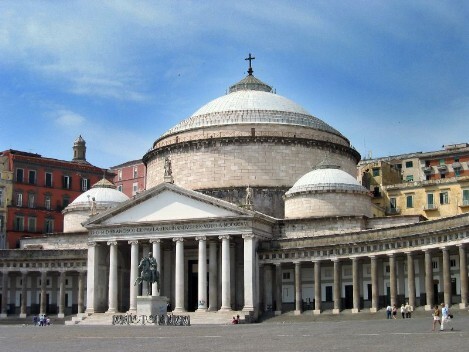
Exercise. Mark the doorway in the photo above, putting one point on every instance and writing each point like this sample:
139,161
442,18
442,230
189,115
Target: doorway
348,302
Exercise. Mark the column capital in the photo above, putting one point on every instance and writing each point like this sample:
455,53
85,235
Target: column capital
133,242
462,245
201,238
335,260
112,243
92,244
297,263
316,261
355,259
156,240
249,236
278,264
178,239
391,255
224,237
444,249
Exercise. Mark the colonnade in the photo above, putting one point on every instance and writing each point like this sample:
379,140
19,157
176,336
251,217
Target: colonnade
10,289
208,260
273,295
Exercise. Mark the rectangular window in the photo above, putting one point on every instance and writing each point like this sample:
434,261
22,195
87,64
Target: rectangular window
409,178
19,223
286,276
32,177
66,182
434,265
409,164
410,201
20,175
47,202
119,175
31,200
48,179
444,197
49,226
19,199
375,171
85,184
430,201
119,188
465,197
32,224
452,263
135,172
134,188
442,161
457,172
1,197
65,202
392,203
328,293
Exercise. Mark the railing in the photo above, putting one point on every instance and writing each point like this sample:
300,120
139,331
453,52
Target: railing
393,211
430,207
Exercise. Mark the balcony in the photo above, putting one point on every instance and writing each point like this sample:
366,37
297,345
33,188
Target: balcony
443,168
393,211
456,165
464,204
429,207
427,170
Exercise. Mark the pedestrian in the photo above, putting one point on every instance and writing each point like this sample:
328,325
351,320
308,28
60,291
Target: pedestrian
394,312
436,317
445,317
403,311
388,311
409,310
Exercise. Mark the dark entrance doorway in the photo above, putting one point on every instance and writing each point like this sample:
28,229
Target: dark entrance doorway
348,302
436,294
192,285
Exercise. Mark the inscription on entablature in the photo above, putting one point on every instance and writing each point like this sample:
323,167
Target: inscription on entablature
169,228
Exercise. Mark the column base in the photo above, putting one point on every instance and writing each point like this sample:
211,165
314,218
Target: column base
212,309
61,315
297,312
336,311
317,312
89,311
179,310
132,311
462,305
278,312
355,310
226,309
22,315
3,315
111,311
201,310
373,310
428,307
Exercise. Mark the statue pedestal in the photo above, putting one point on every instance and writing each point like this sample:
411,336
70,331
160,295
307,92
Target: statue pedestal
152,305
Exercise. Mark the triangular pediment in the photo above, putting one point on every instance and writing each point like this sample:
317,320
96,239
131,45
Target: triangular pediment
168,202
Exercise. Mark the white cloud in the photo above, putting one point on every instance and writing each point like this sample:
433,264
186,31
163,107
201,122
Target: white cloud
69,119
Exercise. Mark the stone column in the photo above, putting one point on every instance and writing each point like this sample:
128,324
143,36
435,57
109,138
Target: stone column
278,292
446,277
24,281
392,278
168,275
42,306
337,287
92,272
4,307
156,250
202,276
213,276
428,279
317,287
374,284
268,287
356,285
225,274
463,275
133,276
298,297
112,296
81,291
61,295
411,279
179,280
249,272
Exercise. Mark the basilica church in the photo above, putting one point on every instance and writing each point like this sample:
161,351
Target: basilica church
252,207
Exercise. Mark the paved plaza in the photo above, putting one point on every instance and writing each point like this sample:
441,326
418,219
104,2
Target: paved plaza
286,333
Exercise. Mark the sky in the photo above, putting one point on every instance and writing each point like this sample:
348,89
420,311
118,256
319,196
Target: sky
391,76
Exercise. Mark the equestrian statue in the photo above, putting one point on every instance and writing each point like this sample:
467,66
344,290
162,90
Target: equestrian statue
148,273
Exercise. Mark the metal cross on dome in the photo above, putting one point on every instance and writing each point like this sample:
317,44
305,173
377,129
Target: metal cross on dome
250,58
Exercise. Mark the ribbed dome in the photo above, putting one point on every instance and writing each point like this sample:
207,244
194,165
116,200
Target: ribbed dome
251,101
324,179
104,193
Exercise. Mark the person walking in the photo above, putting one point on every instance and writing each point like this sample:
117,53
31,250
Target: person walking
394,312
436,317
403,311
388,311
445,317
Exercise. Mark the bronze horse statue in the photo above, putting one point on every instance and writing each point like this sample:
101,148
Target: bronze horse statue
148,273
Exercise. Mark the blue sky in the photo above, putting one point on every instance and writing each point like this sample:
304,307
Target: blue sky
392,76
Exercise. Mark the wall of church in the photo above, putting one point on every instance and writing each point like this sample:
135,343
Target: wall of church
327,204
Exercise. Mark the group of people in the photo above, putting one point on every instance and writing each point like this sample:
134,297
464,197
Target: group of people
235,320
41,320
442,317
406,311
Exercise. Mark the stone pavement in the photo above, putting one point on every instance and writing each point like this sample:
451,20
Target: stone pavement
346,332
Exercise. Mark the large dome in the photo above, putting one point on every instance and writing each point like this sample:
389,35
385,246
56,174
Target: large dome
251,102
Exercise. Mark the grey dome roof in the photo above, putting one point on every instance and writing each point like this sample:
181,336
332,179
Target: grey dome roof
104,193
251,101
326,179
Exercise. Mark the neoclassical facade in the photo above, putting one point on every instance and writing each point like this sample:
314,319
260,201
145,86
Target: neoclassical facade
252,207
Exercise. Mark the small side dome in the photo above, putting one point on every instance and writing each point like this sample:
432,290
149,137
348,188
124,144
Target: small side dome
327,191
102,196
